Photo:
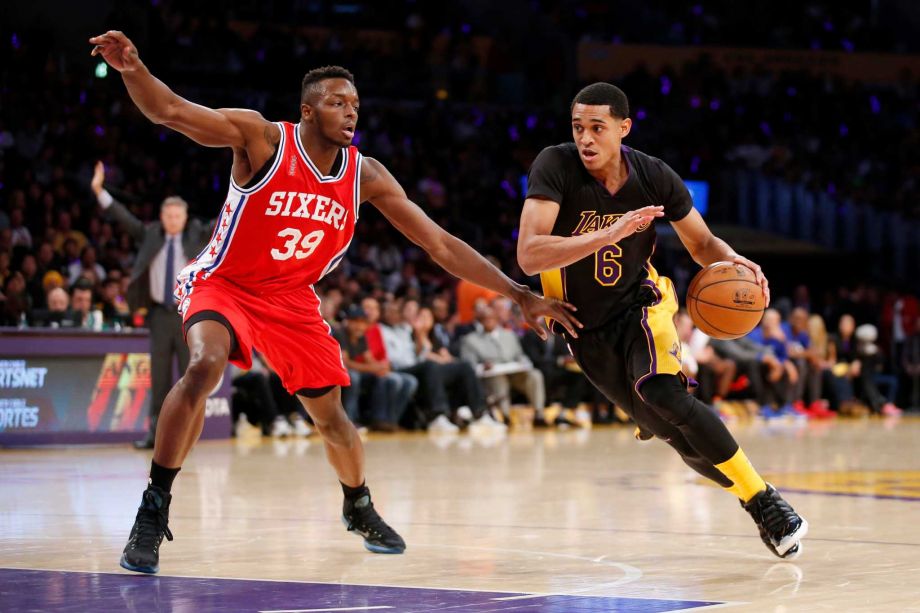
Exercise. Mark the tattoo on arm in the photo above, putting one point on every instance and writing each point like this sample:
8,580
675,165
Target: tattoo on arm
369,172
271,135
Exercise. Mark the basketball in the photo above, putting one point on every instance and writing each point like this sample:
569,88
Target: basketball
725,301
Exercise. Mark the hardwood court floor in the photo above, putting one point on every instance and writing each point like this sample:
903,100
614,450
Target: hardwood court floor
577,513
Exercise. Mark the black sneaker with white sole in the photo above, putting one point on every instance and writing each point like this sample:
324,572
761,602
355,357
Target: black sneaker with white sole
781,528
142,553
361,518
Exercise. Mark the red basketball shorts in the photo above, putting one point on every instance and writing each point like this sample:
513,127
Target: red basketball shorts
285,328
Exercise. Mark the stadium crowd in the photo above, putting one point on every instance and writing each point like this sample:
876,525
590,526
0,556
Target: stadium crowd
457,124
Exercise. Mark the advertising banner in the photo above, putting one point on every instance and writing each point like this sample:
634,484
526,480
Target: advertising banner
86,398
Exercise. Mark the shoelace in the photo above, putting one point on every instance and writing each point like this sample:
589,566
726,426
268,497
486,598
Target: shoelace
152,523
776,512
366,519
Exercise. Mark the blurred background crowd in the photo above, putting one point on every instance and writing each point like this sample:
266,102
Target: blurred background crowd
457,101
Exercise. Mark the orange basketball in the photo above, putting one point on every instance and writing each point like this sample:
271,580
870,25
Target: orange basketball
725,301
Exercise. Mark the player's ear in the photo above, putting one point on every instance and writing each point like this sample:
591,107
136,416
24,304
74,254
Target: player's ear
306,111
625,127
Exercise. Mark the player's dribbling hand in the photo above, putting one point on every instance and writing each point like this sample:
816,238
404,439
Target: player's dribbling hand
116,49
631,221
534,308
758,276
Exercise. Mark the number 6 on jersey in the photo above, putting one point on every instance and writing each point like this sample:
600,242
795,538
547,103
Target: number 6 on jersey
607,269
307,246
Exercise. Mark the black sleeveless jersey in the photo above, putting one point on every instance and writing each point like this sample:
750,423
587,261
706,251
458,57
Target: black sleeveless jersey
608,281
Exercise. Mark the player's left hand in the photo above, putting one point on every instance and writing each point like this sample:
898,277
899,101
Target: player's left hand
534,308
758,276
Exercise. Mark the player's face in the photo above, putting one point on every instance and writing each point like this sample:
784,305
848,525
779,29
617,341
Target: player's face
334,111
597,134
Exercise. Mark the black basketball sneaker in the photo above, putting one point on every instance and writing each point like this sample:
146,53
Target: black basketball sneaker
361,518
781,528
142,553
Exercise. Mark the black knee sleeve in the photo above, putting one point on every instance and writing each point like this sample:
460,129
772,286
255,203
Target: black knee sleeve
700,424
670,399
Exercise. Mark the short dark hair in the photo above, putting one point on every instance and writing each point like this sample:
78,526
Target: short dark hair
604,93
321,74
83,284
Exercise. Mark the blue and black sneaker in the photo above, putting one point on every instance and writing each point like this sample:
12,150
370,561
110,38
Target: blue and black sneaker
361,518
142,553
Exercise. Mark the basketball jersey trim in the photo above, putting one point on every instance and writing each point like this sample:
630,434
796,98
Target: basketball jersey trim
306,158
233,226
338,257
359,159
279,154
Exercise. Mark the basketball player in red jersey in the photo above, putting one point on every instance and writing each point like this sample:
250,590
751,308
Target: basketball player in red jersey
289,217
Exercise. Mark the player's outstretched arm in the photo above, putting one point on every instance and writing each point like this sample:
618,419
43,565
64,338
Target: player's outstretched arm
456,257
705,247
538,249
236,128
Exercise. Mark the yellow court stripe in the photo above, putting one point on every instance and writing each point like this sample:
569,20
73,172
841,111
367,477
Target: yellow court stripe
896,484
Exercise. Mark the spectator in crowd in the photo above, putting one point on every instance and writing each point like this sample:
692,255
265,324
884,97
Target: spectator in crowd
388,393
48,260
819,368
771,333
376,346
81,303
331,306
114,306
564,381
463,386
445,324
166,246
20,236
29,269
65,233
58,314
469,295
255,401
400,347
501,361
86,266
714,373
899,314
871,362
910,362
58,300
14,301
763,371
846,367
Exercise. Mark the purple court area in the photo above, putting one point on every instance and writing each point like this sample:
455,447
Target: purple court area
42,590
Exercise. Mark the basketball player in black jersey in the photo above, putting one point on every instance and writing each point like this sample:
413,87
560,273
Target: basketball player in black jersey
587,228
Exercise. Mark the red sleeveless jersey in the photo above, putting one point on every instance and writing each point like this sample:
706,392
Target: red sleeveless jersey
285,232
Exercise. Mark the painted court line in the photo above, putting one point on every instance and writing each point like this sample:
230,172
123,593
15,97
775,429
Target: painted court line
371,608
86,590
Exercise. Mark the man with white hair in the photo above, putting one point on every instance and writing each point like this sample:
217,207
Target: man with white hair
165,247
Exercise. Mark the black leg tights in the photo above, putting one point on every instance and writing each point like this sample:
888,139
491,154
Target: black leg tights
699,423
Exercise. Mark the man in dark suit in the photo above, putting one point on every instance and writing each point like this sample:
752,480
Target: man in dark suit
165,247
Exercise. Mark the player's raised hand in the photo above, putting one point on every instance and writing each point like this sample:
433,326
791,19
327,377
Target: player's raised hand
758,276
534,308
98,178
116,49
629,222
